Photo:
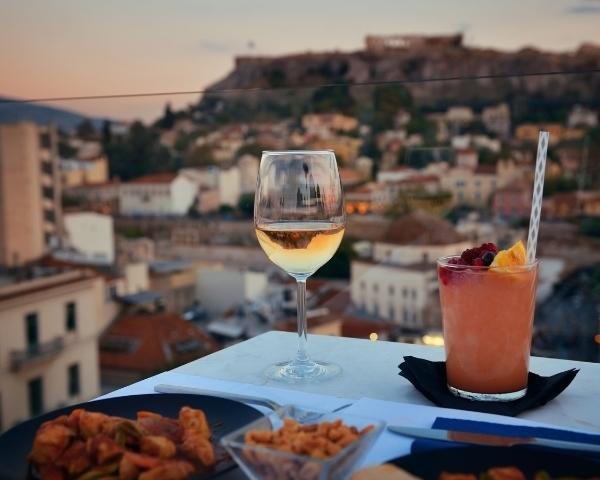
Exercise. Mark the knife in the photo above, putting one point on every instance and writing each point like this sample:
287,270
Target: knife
474,438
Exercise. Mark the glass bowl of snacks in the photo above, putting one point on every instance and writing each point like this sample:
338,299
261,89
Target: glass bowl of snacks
296,443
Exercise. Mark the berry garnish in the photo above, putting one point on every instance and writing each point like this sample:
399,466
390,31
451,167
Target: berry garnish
474,256
487,258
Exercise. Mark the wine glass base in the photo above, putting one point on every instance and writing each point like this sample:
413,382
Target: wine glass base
302,372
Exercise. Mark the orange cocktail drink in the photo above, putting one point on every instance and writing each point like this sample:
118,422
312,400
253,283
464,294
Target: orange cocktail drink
487,320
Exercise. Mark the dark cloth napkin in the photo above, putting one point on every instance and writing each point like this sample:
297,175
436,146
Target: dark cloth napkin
475,426
429,378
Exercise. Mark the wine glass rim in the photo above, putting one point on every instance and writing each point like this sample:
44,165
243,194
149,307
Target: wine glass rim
295,152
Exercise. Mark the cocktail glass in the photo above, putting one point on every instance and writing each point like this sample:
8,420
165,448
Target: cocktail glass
487,315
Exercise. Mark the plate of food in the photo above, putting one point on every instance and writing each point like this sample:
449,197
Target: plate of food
488,463
127,438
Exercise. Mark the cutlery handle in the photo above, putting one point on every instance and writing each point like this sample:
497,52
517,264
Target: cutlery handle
265,402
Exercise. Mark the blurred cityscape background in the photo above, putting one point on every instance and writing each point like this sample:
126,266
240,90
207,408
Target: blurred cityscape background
127,246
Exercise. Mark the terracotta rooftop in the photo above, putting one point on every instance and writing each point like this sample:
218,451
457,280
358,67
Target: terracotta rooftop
485,169
420,228
155,178
152,342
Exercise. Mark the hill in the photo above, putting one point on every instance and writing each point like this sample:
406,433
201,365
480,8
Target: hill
42,114
407,58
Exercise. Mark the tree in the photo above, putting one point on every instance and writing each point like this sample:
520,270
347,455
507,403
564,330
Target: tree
333,99
339,265
387,100
246,204
254,149
199,156
85,130
168,119
106,136
138,153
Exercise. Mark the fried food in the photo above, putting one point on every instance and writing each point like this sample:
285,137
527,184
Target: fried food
91,445
317,441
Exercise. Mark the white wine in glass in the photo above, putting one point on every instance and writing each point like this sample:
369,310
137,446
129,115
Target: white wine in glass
299,220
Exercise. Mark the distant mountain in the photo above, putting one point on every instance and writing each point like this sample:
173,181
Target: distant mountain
41,114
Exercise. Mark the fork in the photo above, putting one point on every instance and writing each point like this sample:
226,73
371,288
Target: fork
262,401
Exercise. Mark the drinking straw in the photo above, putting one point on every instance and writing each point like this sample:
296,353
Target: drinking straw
538,191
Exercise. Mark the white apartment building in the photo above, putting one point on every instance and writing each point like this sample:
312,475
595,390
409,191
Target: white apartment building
218,288
48,343
399,282
475,186
230,186
90,238
160,194
497,119
248,165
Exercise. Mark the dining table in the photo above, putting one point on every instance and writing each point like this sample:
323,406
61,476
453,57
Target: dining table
369,386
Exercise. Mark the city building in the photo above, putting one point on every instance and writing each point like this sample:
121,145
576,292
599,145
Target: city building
89,238
529,132
96,193
208,200
159,194
131,250
566,205
496,119
230,187
460,115
399,282
219,289
512,201
324,124
30,193
48,343
83,171
248,165
175,280
382,43
580,116
364,165
467,157
138,345
371,197
350,177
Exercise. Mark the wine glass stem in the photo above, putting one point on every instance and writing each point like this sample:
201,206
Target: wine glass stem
301,355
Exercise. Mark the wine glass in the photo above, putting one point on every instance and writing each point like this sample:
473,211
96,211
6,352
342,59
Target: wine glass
299,220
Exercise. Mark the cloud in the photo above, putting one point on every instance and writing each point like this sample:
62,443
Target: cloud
585,7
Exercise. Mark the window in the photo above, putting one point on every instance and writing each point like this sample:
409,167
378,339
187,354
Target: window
414,294
391,289
405,315
31,328
376,310
362,285
71,317
375,287
404,292
73,378
391,313
36,399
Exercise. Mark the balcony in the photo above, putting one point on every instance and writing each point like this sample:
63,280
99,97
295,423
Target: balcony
35,355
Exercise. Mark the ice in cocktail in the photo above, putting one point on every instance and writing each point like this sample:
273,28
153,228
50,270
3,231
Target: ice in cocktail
488,301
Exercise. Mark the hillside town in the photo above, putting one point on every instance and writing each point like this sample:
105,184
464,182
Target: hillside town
129,249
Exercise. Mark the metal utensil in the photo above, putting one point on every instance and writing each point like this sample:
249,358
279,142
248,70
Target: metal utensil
262,401
489,439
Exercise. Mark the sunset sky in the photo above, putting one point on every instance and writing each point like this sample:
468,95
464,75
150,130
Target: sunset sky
90,47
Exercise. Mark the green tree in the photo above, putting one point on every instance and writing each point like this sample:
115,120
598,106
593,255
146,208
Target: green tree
559,185
387,100
168,119
199,156
255,149
339,265
246,204
138,153
106,134
333,99
85,130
